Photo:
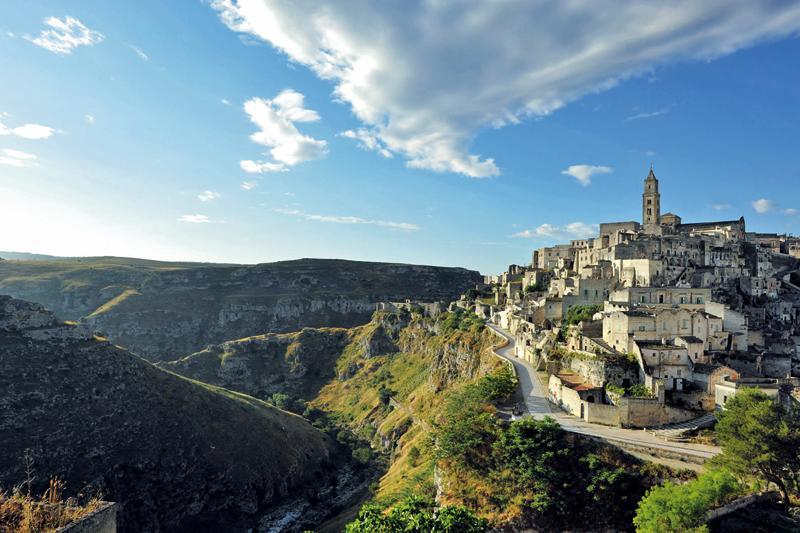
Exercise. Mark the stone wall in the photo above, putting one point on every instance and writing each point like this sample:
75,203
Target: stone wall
599,372
598,413
645,412
104,520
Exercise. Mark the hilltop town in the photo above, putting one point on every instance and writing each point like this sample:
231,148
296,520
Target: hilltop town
654,322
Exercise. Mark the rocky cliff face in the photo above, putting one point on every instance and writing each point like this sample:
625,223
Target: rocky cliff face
163,311
178,454
298,364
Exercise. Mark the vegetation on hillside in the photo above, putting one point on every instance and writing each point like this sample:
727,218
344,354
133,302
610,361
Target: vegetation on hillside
579,313
21,512
530,472
760,446
416,515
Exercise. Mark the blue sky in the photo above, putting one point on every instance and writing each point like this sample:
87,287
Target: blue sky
420,133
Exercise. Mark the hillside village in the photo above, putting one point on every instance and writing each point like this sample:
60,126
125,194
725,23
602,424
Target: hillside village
654,322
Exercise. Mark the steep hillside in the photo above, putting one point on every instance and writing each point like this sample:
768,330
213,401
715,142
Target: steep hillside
386,380
178,454
163,311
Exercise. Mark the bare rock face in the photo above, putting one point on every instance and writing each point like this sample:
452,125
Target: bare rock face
163,311
178,455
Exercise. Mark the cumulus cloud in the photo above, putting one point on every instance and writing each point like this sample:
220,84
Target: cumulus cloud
573,230
194,219
65,35
763,205
368,141
207,196
331,219
424,77
584,173
27,131
276,120
16,158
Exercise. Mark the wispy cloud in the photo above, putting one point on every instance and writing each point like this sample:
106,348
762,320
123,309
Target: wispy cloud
194,219
276,120
763,205
28,131
791,211
573,230
584,173
249,185
207,196
139,52
225,101
89,118
650,114
333,219
721,207
17,158
65,35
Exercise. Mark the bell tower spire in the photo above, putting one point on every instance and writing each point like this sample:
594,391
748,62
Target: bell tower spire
651,200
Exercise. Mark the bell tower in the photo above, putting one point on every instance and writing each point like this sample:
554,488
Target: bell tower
651,201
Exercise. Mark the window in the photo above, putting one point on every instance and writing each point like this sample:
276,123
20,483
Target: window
661,298
699,299
642,299
683,299
649,202
641,328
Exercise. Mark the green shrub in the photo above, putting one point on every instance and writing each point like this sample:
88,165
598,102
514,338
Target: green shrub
678,508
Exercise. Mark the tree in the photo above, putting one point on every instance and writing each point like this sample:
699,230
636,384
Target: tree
498,385
537,455
677,508
759,438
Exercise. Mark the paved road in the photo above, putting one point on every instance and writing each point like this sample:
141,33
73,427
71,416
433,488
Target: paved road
538,406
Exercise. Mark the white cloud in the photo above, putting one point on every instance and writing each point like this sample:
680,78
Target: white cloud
573,230
17,158
331,219
249,185
425,77
584,173
225,101
368,141
791,211
28,131
763,205
139,52
194,219
277,131
66,34
650,114
89,118
207,196
721,207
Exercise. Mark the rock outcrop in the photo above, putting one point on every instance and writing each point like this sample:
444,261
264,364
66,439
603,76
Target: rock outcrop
163,311
177,454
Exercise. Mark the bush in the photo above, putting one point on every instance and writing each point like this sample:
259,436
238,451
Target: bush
413,455
362,455
499,385
578,313
416,515
678,508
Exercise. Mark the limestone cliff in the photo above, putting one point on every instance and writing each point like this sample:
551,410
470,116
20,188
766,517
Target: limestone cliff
163,311
178,454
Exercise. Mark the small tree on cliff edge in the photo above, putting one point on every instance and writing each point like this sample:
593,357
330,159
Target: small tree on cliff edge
759,438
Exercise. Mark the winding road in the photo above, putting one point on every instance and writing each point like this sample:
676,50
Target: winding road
537,405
